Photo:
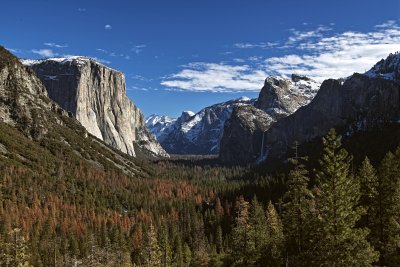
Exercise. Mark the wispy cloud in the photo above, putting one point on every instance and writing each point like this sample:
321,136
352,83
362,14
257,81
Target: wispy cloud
102,50
320,54
44,52
137,88
14,50
298,36
104,61
214,77
138,48
336,55
112,54
81,9
107,27
140,78
55,45
266,45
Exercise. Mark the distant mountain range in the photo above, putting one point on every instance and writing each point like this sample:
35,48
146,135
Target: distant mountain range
194,133
201,132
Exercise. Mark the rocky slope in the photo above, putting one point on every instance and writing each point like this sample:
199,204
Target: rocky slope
96,96
360,102
23,99
194,133
280,97
37,133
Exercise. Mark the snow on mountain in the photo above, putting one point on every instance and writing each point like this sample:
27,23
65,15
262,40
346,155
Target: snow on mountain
201,132
279,98
159,126
76,60
388,68
194,133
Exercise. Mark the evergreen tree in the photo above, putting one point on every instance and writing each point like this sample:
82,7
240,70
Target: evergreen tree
152,249
187,255
369,196
219,242
392,247
297,215
178,255
242,244
275,239
258,232
166,260
15,252
337,242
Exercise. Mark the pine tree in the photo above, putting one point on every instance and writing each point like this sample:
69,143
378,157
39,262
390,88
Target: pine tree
273,255
166,259
297,215
15,252
242,244
392,247
369,185
187,255
178,251
152,250
337,242
219,242
258,232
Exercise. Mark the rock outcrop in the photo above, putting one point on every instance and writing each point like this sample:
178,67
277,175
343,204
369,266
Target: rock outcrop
243,132
360,102
23,98
27,114
242,139
96,96
194,133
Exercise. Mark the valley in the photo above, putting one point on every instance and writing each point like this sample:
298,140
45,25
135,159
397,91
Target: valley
307,173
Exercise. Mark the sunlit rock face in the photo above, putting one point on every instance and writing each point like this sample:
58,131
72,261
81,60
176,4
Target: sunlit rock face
96,95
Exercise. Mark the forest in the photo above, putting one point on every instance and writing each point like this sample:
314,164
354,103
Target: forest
69,213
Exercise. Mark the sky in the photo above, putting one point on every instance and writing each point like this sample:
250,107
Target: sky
182,55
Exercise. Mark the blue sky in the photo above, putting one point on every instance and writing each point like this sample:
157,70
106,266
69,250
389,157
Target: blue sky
187,54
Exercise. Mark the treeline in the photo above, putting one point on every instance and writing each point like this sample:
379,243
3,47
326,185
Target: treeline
334,215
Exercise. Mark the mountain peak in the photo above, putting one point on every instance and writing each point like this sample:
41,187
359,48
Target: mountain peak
388,68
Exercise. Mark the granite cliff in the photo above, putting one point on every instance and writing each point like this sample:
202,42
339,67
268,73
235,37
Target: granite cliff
243,131
96,95
34,130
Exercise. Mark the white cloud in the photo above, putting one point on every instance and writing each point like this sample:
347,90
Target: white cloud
318,53
55,45
257,45
336,55
104,61
107,27
81,9
298,36
14,50
113,54
102,50
214,77
44,52
138,48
